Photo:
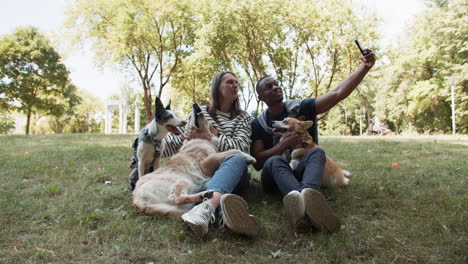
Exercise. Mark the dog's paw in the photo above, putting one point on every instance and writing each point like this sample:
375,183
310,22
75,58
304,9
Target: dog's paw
172,197
294,154
133,178
293,164
249,159
346,173
346,181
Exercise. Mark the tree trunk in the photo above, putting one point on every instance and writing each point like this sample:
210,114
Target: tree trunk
147,101
28,121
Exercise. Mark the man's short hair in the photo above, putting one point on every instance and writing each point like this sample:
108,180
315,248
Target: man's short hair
257,86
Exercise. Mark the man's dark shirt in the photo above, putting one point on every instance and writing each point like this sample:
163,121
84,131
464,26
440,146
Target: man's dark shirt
307,109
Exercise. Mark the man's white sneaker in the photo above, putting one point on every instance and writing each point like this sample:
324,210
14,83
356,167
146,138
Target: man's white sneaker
236,216
199,217
295,208
319,212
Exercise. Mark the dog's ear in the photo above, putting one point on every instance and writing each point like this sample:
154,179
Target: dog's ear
307,124
158,107
301,118
168,106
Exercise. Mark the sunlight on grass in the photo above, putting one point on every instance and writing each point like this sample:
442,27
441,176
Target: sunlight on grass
65,199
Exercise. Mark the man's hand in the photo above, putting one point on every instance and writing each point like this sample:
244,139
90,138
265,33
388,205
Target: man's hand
369,58
291,139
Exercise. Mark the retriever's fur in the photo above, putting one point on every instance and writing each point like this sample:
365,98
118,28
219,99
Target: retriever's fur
174,188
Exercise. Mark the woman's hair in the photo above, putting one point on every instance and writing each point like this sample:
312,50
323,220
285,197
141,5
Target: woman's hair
216,96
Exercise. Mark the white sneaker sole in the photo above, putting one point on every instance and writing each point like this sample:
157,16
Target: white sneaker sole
197,229
236,216
294,207
319,212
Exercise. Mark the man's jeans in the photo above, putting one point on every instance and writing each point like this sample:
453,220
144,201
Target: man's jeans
277,175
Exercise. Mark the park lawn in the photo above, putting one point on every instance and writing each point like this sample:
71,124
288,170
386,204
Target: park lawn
65,199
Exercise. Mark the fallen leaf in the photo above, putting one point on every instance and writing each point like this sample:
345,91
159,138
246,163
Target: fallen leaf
276,254
45,251
119,208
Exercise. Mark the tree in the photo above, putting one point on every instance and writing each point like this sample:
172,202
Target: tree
32,77
6,123
427,64
84,118
150,37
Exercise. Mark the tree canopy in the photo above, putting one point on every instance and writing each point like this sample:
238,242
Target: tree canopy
416,91
176,47
32,76
148,37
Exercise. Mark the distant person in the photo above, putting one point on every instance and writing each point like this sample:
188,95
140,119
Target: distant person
299,188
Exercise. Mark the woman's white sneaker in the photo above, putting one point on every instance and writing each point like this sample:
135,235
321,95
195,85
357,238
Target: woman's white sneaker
199,217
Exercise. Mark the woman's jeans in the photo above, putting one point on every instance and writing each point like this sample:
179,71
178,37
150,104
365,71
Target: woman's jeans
231,177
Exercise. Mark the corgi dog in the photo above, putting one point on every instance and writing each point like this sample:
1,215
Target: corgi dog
173,189
147,146
333,175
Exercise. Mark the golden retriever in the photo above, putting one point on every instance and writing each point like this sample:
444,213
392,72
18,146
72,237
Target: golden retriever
172,189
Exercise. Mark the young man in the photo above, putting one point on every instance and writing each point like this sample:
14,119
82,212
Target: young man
301,187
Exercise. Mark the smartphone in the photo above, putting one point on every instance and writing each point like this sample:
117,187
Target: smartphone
359,46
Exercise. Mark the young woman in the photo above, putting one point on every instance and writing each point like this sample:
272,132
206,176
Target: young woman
234,132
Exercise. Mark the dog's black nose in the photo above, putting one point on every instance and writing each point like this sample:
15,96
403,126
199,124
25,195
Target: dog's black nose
196,114
196,108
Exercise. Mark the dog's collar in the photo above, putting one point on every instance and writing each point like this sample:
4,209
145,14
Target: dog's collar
152,140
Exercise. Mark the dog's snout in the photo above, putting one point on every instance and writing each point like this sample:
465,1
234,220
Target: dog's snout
196,108
183,123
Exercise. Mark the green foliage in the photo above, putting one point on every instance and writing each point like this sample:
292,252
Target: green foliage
84,118
32,77
417,85
178,46
6,123
148,37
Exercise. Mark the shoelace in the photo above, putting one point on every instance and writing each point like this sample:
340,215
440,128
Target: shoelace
202,209
221,226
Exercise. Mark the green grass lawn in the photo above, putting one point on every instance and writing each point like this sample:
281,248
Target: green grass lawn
65,199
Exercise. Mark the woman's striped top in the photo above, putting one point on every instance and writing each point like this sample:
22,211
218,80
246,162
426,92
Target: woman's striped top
232,133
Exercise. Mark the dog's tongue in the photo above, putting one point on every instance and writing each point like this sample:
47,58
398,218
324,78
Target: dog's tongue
174,130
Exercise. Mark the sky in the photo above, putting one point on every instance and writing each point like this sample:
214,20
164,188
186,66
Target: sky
49,15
